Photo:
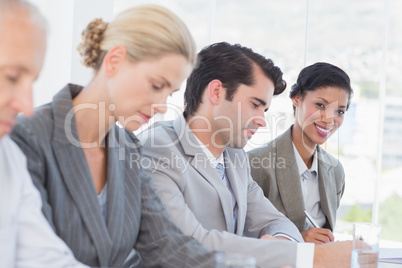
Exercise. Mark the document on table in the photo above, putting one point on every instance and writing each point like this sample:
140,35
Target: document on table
390,255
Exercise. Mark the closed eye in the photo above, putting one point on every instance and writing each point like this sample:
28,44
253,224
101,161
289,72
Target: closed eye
12,79
157,87
12,76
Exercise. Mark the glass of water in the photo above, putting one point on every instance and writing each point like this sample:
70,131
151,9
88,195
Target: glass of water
366,240
224,260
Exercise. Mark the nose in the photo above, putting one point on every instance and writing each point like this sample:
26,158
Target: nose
328,116
160,105
259,120
22,100
160,108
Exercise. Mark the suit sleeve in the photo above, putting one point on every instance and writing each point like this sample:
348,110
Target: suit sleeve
263,217
161,241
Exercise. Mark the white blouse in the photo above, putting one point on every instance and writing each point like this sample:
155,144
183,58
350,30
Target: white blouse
26,238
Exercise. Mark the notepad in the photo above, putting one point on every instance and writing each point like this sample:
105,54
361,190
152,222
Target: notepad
390,255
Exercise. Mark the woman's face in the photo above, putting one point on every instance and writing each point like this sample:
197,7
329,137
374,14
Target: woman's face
139,90
319,113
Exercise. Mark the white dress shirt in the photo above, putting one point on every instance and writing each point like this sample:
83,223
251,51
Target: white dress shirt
310,189
26,238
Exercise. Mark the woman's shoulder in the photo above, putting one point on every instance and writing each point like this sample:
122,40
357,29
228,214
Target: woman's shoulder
326,158
269,147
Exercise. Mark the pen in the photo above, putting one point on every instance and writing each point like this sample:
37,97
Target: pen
311,220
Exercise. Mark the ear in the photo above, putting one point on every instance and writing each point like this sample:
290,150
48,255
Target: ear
296,100
113,60
215,91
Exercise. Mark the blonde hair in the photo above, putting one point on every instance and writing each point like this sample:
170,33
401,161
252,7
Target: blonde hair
147,31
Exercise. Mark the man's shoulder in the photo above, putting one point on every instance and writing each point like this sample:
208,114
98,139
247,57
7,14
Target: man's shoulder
327,159
158,134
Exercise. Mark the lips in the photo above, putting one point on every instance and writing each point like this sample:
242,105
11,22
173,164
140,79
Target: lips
250,133
145,117
322,131
7,126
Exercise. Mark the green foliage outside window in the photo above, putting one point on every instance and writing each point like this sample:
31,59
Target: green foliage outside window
390,217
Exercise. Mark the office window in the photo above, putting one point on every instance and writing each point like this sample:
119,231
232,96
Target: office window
347,33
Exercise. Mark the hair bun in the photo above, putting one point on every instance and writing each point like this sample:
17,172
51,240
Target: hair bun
90,46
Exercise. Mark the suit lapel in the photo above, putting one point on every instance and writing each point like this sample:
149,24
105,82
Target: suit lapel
200,163
327,185
75,171
115,192
239,190
288,181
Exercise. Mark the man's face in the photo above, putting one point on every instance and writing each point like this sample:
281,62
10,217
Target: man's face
22,50
236,121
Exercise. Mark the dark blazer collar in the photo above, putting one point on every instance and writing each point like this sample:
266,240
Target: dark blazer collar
65,128
78,179
289,182
327,185
287,177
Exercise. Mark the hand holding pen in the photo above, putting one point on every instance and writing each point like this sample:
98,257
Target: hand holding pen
316,234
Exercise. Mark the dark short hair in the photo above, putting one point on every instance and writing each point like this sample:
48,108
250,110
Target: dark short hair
233,66
320,75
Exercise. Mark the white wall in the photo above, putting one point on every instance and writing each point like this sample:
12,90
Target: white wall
66,20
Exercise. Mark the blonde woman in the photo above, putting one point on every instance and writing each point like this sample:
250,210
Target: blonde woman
88,169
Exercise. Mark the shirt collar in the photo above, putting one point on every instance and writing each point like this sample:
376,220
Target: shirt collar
300,163
214,161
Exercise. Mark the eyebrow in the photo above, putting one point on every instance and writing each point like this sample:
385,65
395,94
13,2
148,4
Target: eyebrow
262,102
19,68
326,102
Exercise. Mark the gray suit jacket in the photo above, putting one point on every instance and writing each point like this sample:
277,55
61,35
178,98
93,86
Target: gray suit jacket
201,205
135,215
274,168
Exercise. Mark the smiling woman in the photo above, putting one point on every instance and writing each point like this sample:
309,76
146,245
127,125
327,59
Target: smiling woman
311,180
100,204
